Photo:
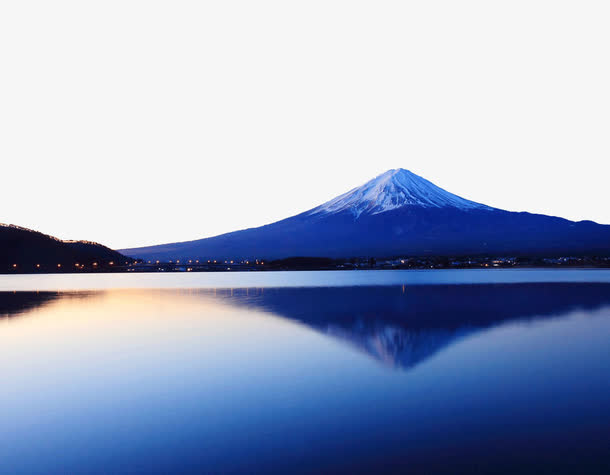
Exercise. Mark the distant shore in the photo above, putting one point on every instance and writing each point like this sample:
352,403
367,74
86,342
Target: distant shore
321,263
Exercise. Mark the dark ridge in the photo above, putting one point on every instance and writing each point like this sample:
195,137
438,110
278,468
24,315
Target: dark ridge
25,251
303,263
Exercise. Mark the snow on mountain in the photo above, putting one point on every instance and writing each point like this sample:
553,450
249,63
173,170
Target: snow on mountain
395,189
396,214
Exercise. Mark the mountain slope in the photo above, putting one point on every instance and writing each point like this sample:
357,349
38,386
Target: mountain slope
392,190
397,213
24,250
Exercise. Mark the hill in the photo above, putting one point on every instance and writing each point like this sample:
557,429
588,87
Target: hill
25,250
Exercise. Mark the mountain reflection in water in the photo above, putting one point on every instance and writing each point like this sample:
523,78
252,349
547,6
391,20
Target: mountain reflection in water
399,326
509,378
403,326
17,304
14,304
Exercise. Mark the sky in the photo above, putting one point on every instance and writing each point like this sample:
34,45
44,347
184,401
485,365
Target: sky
134,123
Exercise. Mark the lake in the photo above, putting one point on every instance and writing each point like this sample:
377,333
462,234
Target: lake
458,371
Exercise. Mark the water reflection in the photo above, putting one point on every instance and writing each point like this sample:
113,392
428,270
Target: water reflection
502,378
19,303
402,326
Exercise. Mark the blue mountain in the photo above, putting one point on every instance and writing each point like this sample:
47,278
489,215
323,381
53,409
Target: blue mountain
397,213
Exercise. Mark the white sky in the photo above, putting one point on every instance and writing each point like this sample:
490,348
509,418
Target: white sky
135,123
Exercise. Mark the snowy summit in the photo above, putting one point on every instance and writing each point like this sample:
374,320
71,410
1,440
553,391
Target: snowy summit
395,189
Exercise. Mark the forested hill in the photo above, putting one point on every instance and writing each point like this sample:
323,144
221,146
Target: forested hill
25,250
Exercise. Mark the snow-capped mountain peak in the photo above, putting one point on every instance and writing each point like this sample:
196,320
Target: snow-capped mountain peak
395,189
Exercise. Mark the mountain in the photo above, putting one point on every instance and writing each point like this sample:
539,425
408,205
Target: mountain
24,250
397,213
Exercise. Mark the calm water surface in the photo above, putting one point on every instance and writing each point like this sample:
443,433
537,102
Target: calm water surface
418,372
